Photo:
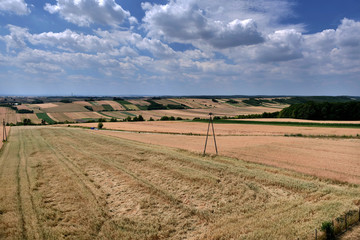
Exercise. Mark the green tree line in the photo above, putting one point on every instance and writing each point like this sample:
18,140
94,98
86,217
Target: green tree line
323,111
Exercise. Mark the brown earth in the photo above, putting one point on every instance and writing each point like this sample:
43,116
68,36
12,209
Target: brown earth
352,234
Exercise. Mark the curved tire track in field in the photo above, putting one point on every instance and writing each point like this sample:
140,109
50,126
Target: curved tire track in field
11,202
79,144
77,173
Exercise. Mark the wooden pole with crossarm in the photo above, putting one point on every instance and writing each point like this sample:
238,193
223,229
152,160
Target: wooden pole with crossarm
207,134
4,131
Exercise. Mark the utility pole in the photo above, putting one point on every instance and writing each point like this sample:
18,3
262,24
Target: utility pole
207,134
4,131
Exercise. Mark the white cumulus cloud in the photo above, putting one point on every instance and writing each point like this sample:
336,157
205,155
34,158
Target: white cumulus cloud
185,21
86,12
18,7
282,45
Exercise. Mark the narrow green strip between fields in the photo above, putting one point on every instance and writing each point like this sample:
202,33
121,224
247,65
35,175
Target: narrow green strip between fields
108,107
45,117
106,115
295,124
129,114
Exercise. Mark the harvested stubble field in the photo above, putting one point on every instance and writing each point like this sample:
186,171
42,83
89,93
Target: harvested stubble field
337,159
76,184
2,134
296,120
326,154
115,105
31,116
8,115
78,116
63,107
188,128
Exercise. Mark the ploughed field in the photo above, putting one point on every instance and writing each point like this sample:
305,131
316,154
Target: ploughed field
77,184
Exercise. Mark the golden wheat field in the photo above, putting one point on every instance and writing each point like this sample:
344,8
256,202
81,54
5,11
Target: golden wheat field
70,183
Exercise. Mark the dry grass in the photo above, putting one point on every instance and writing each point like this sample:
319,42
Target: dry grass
45,105
8,115
225,129
296,120
140,102
65,107
351,234
336,159
2,134
31,116
78,116
60,117
75,184
115,105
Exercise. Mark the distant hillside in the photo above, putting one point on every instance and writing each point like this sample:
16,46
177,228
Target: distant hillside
295,100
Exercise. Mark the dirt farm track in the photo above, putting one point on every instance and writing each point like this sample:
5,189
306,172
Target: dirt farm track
69,183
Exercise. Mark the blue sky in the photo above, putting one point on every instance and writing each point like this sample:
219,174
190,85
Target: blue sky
179,47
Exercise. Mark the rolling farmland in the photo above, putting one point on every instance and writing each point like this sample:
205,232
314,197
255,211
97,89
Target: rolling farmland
75,183
65,110
273,179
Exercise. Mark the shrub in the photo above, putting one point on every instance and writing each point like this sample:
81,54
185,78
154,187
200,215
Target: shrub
164,118
66,101
100,125
113,119
328,228
25,111
174,106
232,101
89,108
27,121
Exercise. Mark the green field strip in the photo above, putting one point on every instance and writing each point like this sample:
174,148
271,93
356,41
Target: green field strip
124,103
45,117
107,115
131,107
142,107
129,114
108,107
294,124
93,103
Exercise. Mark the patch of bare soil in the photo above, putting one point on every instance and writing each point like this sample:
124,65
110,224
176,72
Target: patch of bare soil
352,233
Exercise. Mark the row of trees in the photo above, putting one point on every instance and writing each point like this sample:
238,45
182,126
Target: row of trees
323,111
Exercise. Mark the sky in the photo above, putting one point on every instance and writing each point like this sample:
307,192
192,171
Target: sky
179,47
